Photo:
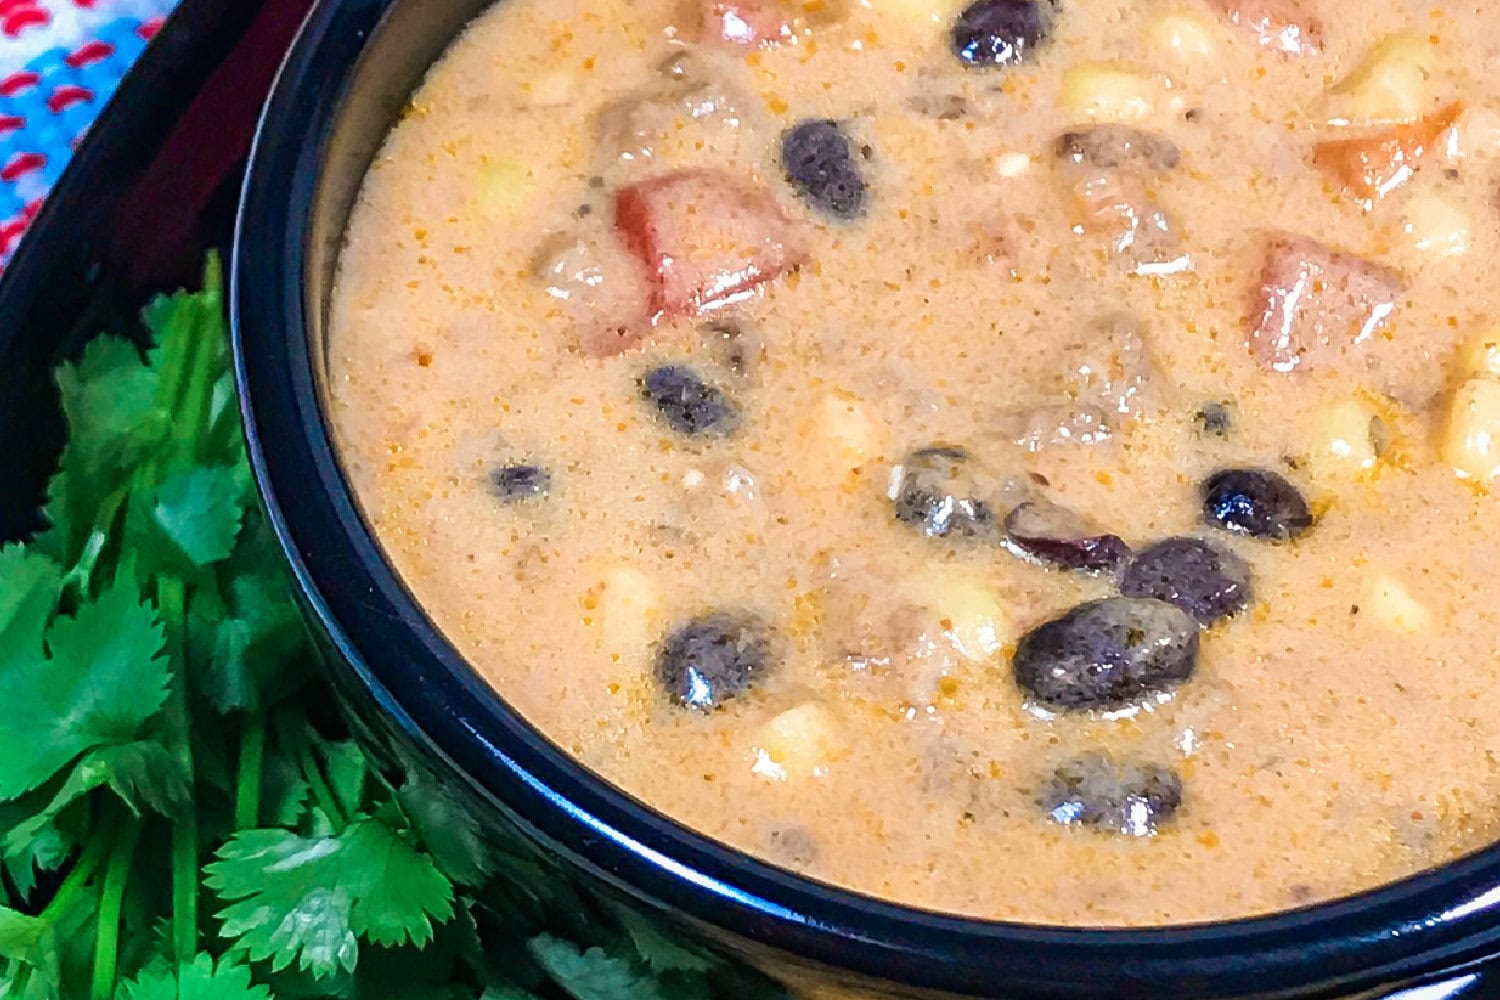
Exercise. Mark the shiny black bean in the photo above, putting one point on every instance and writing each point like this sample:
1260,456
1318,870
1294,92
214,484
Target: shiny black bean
993,33
1123,797
935,490
819,163
688,404
713,658
1255,502
1107,654
1204,580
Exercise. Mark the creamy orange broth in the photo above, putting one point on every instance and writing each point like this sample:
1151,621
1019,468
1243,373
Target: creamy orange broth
1338,732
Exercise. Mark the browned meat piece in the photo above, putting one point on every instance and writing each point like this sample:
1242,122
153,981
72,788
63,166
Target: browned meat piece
1107,367
1110,147
592,276
1314,305
1101,380
686,96
1107,172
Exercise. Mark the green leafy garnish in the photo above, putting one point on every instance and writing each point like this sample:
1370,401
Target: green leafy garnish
180,819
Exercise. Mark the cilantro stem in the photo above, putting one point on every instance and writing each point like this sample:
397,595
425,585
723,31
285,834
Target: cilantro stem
88,863
247,781
171,595
126,832
326,800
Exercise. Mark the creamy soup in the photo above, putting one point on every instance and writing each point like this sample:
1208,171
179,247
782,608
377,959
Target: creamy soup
1031,459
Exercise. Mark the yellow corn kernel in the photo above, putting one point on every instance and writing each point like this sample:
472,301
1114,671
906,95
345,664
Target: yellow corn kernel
1184,35
968,610
797,743
628,604
505,186
1348,441
1111,92
844,424
1471,444
1388,603
1480,354
1390,84
1438,223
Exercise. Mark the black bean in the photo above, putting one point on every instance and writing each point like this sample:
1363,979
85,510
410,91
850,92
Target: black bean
689,404
1054,534
817,160
1107,654
713,658
936,490
1215,419
1000,32
520,482
1124,797
1204,580
1255,502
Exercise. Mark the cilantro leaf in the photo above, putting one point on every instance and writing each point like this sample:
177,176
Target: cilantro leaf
29,585
592,974
20,935
401,888
251,641
46,849
447,830
200,979
104,679
198,512
109,399
304,899
141,773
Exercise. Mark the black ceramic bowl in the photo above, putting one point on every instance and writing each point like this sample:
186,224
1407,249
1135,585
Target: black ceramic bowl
344,83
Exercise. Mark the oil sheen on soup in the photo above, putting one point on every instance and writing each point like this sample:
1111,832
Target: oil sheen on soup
1033,459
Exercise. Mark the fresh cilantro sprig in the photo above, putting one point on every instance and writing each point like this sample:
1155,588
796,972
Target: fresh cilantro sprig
179,818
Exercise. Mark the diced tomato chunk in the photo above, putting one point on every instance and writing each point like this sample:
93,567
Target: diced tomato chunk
1315,304
1370,167
705,238
1284,25
745,22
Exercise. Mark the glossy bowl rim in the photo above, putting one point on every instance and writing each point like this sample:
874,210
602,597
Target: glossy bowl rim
1436,919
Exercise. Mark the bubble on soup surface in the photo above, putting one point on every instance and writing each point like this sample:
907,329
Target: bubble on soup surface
713,658
1204,580
993,33
1125,797
937,490
1107,655
1051,533
687,403
1255,502
819,164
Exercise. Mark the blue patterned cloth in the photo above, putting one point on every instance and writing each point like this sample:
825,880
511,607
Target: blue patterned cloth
60,61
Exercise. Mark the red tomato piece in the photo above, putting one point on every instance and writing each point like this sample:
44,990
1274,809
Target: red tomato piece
705,238
745,22
1370,167
1284,25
